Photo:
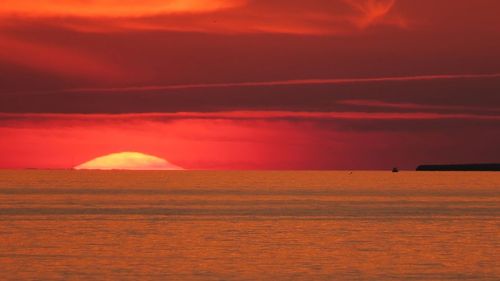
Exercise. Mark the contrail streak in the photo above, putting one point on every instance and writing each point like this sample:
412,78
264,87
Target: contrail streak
331,81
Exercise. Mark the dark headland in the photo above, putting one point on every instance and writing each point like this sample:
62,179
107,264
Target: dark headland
491,167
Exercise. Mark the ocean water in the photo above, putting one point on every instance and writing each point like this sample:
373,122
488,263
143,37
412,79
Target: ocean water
188,225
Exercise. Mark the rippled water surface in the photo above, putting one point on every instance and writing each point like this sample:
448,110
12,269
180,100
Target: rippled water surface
81,225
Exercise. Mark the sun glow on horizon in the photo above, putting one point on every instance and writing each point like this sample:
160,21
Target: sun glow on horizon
127,161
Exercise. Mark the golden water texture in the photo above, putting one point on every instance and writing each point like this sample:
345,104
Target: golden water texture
86,225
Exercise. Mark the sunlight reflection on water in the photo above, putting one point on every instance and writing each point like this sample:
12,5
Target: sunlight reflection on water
249,225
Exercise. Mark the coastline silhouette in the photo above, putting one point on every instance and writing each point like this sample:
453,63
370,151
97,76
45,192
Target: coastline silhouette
484,167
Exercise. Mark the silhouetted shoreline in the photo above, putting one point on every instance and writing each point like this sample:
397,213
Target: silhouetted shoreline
491,167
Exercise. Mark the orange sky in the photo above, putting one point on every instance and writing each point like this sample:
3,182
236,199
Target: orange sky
246,84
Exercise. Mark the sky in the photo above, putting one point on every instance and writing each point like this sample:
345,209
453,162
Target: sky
250,84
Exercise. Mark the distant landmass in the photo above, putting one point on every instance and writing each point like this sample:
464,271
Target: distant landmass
461,167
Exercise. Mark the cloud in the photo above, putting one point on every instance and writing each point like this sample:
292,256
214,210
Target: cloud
319,17
58,60
193,144
19,19
179,133
54,54
111,8
413,106
248,140
439,93
245,115
372,11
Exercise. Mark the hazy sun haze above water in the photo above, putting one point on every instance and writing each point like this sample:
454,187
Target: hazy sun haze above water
208,225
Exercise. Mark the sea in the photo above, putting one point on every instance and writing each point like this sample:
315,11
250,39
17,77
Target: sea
249,225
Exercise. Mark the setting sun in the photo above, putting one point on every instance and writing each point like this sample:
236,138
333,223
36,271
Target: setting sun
127,161
249,139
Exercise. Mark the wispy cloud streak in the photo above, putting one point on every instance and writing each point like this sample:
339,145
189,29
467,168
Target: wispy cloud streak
412,106
250,115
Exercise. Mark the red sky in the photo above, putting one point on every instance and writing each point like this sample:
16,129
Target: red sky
250,84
